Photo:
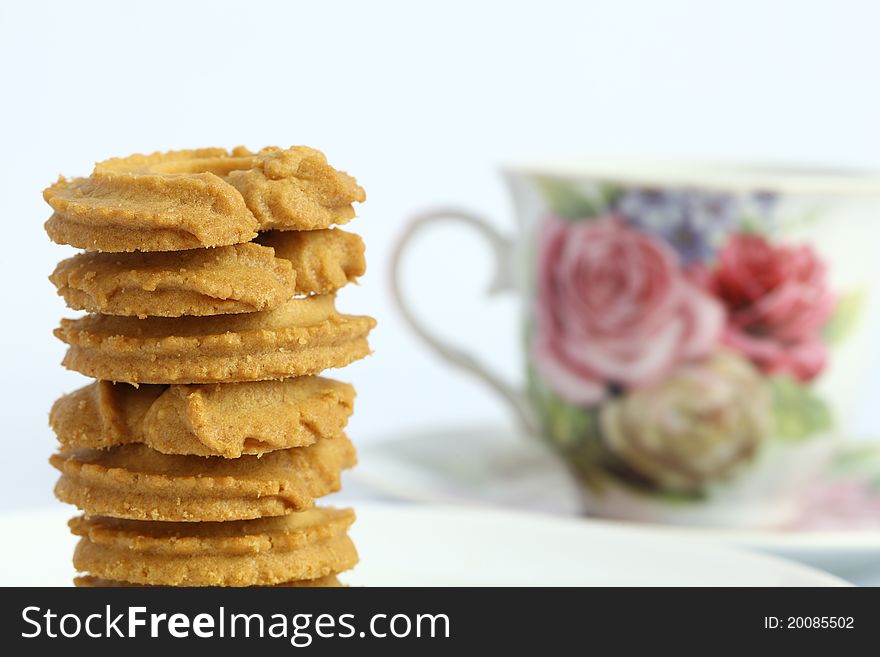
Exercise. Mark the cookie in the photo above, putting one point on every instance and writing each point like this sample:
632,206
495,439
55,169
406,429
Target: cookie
136,482
295,189
324,260
227,419
265,552
198,198
300,337
87,581
228,279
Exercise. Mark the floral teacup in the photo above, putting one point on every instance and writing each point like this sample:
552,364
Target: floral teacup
697,335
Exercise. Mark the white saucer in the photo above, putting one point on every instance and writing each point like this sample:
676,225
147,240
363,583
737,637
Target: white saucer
853,555
416,545
495,467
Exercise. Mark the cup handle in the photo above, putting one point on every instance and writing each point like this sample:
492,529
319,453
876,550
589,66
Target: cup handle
503,280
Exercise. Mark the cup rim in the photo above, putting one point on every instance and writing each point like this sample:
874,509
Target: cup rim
723,175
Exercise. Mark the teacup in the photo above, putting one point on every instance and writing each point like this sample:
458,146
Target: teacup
697,335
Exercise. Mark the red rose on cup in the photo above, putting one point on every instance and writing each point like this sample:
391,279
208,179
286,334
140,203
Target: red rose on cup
777,300
613,308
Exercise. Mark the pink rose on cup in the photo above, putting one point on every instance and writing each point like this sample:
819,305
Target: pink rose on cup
777,300
613,308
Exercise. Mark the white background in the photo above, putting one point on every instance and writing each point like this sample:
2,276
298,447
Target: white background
420,101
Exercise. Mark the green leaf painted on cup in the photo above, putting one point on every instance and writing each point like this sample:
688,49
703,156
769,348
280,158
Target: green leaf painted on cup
752,225
798,412
803,221
609,194
847,312
566,200
565,424
573,431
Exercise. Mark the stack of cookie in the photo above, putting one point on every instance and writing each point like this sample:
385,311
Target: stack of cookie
209,279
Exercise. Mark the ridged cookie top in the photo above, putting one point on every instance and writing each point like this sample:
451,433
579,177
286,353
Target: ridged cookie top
301,546
227,419
324,260
199,198
232,537
295,189
133,481
228,279
294,313
147,212
300,337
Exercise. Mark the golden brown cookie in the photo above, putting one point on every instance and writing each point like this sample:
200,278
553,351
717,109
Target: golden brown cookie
228,279
87,581
136,482
113,211
303,336
240,278
295,189
299,546
227,419
198,198
324,260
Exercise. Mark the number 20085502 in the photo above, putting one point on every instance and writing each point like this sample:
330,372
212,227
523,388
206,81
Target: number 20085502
809,622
